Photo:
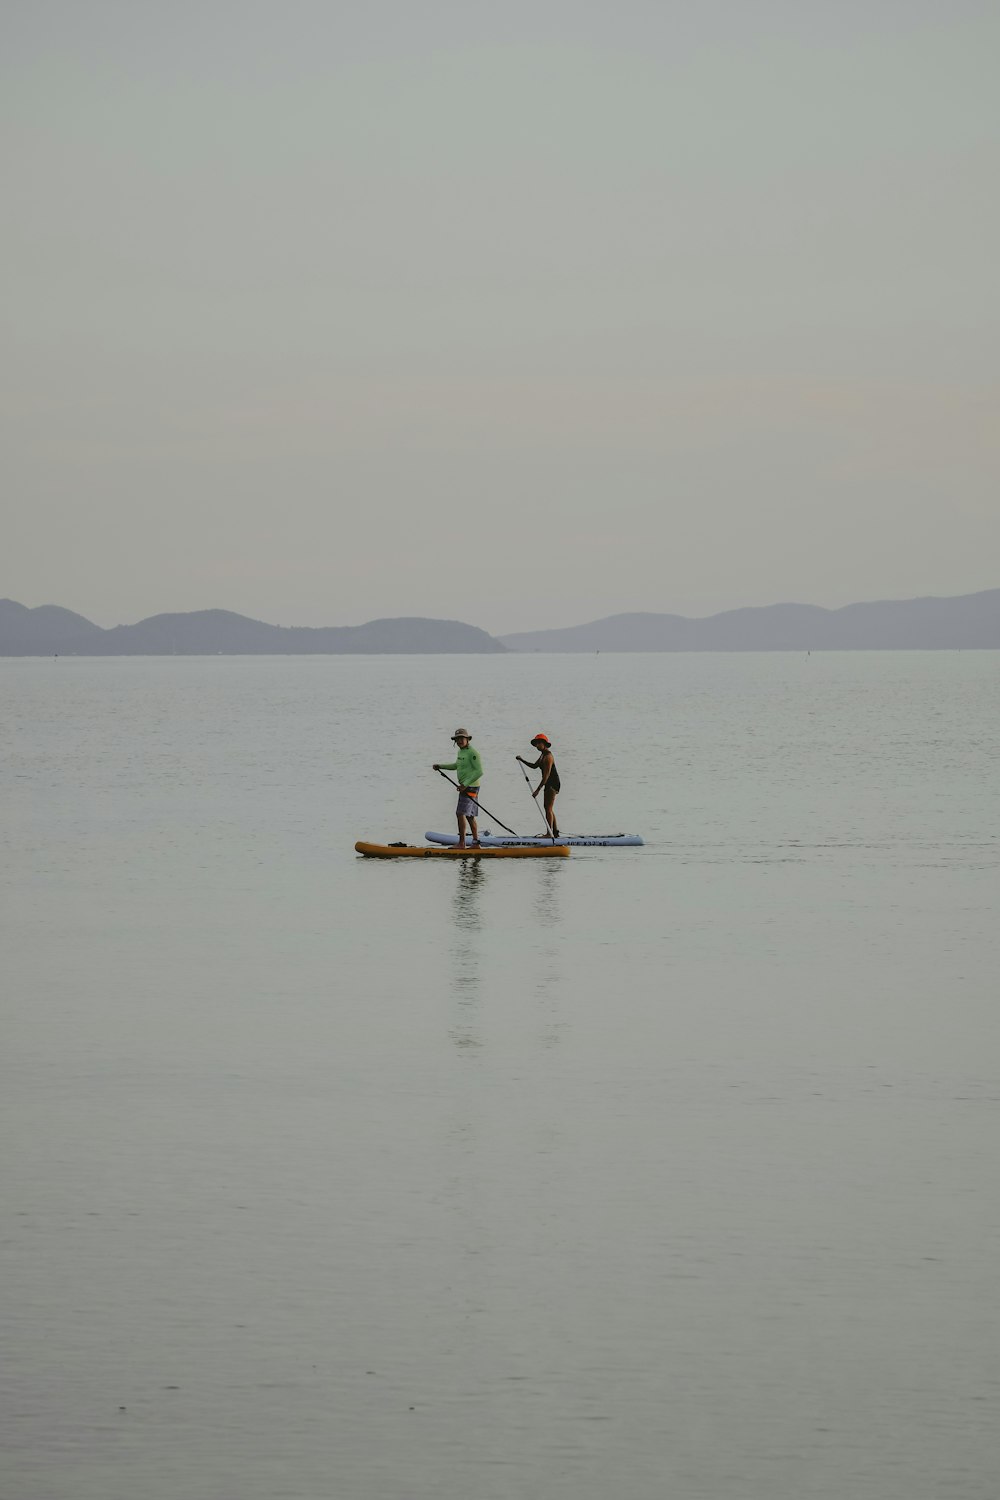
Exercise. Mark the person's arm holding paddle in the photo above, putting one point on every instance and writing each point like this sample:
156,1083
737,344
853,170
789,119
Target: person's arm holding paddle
544,763
472,767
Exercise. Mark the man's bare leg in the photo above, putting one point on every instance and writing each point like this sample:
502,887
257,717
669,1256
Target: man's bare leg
461,830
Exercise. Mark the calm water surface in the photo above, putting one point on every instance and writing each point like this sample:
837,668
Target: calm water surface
656,1172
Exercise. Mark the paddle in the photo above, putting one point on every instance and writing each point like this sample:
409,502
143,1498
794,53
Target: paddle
534,799
482,809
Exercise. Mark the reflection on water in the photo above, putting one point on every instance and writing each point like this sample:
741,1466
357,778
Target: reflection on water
466,950
481,895
468,893
549,976
547,905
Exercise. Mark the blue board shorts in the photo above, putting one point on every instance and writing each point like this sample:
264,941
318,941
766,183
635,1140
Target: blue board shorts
468,805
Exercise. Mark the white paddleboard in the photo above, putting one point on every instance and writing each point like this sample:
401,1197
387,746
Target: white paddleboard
532,840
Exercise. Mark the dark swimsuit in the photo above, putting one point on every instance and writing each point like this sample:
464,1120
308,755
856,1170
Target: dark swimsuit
553,780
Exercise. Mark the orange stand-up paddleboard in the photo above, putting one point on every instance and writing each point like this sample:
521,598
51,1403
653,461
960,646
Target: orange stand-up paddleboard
419,851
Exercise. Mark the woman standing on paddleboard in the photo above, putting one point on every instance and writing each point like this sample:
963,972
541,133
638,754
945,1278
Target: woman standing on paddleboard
469,769
550,778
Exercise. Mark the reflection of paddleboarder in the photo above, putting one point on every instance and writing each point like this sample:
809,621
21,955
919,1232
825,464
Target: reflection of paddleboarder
469,768
550,778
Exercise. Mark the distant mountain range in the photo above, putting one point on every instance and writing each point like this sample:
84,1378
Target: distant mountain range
968,622
51,631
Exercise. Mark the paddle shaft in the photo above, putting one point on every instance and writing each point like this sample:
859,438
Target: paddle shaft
482,809
534,799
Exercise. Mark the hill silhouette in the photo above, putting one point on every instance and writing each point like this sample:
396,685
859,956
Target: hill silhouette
969,621
49,630
964,622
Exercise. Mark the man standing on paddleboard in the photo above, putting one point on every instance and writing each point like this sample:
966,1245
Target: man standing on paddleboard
550,778
469,769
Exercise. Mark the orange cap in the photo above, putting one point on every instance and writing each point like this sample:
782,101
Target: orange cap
541,736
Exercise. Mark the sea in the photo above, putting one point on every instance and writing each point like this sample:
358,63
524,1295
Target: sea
658,1172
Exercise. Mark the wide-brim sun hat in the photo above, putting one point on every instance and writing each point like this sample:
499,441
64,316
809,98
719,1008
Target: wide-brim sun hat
461,734
540,737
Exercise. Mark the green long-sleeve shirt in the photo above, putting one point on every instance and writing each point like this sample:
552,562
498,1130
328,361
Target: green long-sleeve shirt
468,765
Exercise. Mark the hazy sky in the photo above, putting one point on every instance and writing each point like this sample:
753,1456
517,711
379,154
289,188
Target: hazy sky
521,314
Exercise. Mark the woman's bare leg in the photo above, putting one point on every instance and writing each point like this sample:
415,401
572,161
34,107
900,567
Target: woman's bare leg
550,813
